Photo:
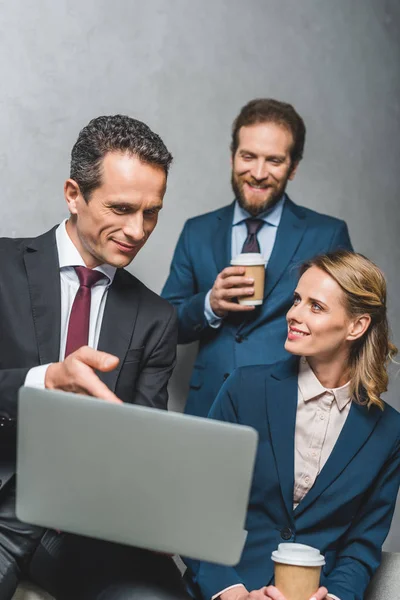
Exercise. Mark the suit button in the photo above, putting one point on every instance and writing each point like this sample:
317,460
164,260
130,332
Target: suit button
239,338
286,533
226,375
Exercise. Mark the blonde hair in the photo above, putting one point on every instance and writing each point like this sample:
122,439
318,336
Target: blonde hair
364,288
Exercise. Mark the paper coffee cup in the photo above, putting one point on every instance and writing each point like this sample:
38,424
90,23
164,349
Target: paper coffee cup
255,268
297,570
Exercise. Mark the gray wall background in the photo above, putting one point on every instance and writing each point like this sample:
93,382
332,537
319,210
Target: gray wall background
186,67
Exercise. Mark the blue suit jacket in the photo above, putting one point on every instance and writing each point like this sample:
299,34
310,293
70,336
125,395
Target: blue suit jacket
347,512
203,250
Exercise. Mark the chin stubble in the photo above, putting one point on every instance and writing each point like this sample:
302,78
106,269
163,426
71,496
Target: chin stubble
254,210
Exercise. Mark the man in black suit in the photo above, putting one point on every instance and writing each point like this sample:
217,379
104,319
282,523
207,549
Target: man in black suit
73,319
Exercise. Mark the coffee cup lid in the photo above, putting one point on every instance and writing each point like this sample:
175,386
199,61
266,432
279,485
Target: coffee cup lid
248,259
299,555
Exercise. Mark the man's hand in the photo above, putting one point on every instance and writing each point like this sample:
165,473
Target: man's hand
76,373
230,284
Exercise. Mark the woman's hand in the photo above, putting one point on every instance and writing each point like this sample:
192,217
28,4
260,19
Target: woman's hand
240,593
272,593
266,593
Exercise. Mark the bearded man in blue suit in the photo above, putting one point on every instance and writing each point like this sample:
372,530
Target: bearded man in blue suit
267,145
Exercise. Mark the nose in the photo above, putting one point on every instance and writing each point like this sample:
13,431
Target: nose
295,313
259,169
133,227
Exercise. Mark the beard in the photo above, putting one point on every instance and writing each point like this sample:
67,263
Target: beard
255,209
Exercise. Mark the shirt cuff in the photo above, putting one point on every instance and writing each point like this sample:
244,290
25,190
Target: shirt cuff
229,588
212,319
36,376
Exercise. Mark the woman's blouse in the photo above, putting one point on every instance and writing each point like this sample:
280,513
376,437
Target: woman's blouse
321,414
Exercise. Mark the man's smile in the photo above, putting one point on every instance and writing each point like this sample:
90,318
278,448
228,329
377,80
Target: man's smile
125,247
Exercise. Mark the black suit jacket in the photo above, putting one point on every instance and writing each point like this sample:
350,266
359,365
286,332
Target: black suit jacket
138,326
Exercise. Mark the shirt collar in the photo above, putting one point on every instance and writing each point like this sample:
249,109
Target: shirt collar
68,255
311,388
272,216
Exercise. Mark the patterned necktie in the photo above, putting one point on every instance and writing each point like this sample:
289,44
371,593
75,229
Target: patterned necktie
251,242
78,326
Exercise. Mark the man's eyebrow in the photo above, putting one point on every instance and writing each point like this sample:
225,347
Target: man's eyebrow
155,207
280,156
244,151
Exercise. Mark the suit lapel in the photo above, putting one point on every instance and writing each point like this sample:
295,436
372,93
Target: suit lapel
356,430
289,235
119,320
290,232
281,405
43,273
222,243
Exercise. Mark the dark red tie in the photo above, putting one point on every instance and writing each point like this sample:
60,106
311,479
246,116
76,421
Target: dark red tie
78,326
251,242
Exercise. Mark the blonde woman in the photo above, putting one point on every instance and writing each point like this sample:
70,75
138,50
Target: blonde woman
328,463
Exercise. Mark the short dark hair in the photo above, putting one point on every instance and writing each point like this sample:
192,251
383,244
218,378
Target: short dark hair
267,110
117,133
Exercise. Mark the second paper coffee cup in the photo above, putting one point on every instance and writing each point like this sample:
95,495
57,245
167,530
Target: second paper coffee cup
255,268
297,570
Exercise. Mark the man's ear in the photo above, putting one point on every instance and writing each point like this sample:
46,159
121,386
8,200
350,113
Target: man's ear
72,194
293,170
358,327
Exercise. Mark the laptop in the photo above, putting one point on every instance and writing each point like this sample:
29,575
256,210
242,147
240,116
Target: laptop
135,475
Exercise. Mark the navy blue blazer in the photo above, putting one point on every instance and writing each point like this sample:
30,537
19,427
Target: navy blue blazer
348,511
203,251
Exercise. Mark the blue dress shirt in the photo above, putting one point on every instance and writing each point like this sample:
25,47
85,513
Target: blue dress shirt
266,239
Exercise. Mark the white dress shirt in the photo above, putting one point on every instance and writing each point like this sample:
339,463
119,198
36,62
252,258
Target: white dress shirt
266,239
69,257
321,414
